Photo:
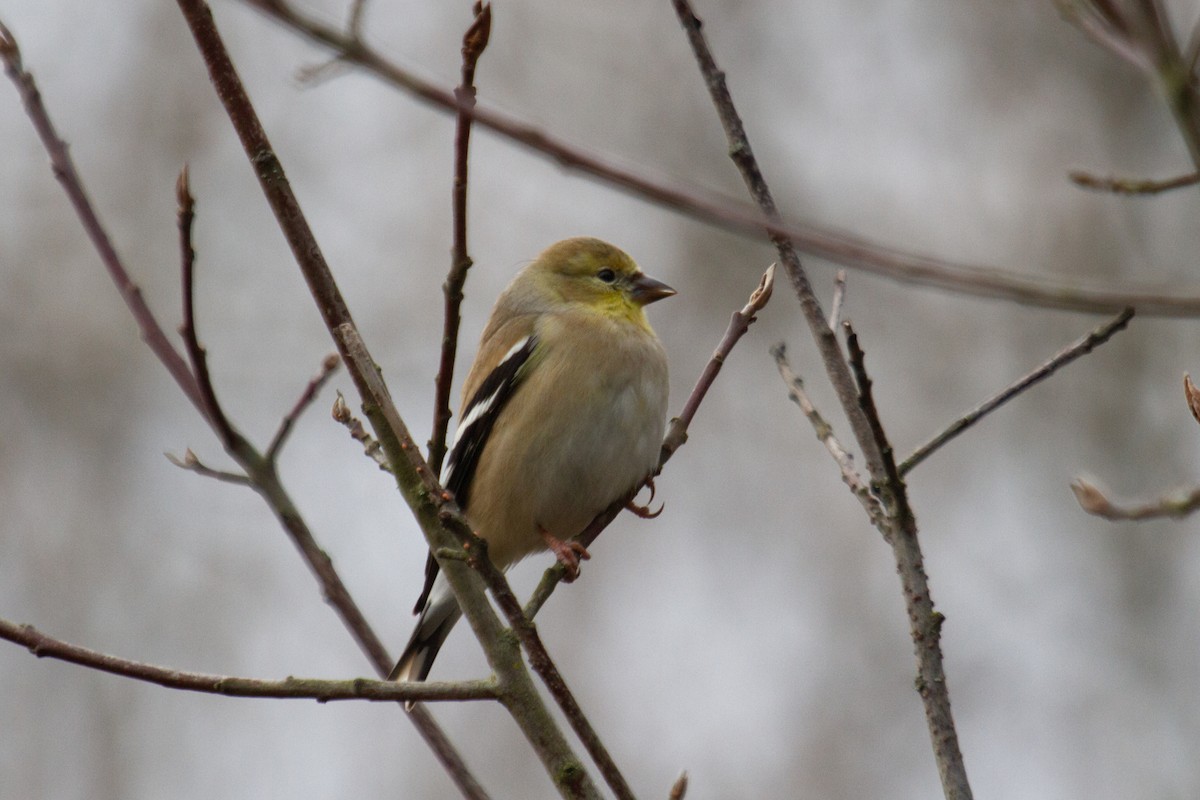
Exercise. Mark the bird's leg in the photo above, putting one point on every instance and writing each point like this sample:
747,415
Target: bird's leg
569,554
644,511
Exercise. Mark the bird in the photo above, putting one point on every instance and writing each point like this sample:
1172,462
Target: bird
563,414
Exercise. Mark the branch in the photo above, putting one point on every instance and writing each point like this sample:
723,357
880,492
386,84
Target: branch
826,436
1173,505
445,527
474,42
318,689
853,390
328,366
1133,186
64,170
713,208
213,412
1059,360
267,483
925,623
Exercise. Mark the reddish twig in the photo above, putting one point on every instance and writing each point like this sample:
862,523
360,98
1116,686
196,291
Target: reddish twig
1173,505
328,366
64,170
474,42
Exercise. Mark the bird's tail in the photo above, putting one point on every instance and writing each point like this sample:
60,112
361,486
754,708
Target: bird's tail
437,618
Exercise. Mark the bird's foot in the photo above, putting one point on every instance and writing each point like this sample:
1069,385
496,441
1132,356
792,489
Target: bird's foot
644,511
569,554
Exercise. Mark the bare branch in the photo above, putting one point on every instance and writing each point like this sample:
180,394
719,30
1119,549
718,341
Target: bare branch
925,623
839,297
328,366
265,481
1173,505
474,42
318,689
229,437
1133,186
826,436
679,789
192,463
64,170
1056,362
852,385
739,324
371,446
707,206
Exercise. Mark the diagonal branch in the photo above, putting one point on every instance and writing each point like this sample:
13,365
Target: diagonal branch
853,392
707,206
1056,362
826,436
64,170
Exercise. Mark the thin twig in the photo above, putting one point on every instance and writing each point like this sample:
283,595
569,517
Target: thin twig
328,366
318,689
826,436
1172,505
739,324
1133,186
371,447
826,243
1056,362
192,463
358,9
474,42
544,666
229,436
679,789
839,297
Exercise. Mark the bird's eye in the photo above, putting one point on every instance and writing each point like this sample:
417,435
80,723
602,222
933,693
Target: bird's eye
606,275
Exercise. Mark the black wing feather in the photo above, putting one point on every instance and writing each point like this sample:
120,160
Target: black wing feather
480,416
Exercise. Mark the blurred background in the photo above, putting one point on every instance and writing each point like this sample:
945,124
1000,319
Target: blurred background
753,635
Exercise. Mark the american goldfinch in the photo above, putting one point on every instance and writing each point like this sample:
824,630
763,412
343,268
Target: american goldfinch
563,413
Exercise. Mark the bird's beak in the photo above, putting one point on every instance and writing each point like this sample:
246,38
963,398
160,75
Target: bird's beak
645,290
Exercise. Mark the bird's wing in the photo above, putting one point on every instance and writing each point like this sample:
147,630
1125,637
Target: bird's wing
471,436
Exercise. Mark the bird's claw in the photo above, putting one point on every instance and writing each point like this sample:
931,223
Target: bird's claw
644,511
569,554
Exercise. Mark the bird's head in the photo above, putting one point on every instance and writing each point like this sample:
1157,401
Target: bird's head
595,274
